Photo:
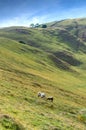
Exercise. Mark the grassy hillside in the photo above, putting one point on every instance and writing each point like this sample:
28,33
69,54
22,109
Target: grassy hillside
76,27
51,60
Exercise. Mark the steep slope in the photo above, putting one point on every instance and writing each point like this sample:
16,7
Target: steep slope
33,60
76,26
48,40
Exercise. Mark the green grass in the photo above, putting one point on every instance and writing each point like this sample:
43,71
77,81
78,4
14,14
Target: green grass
26,68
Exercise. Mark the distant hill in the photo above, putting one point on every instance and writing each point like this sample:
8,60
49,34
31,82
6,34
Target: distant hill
75,26
51,60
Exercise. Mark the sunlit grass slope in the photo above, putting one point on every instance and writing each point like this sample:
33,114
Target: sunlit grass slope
76,27
33,60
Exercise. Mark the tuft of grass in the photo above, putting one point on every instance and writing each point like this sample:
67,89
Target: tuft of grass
7,123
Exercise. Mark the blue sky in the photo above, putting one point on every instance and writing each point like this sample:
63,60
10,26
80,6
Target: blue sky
25,12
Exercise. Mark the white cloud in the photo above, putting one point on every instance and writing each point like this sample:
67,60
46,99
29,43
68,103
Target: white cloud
27,19
23,21
16,21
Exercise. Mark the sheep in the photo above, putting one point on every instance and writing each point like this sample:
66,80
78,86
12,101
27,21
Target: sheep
42,95
50,99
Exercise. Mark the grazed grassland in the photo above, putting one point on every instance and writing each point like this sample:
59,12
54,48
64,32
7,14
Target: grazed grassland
32,60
